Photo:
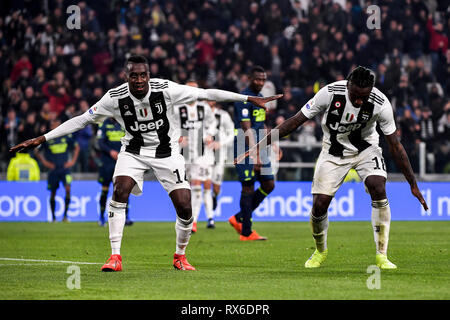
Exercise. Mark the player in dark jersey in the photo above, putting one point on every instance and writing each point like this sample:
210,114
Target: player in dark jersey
108,138
56,158
249,122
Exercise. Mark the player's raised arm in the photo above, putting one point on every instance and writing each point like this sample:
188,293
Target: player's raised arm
228,96
284,129
28,144
96,113
402,161
313,107
68,127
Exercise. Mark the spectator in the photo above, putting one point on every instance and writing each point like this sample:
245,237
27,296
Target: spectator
403,91
11,127
23,168
31,98
205,49
28,129
443,134
438,41
410,137
428,135
56,95
22,64
217,42
83,138
414,41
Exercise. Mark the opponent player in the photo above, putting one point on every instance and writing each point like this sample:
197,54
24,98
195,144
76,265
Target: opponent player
197,124
56,158
223,138
352,109
144,107
250,128
108,137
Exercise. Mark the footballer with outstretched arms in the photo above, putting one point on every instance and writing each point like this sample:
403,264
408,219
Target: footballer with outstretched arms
144,107
352,109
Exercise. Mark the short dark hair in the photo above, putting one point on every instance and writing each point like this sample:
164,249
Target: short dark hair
137,59
255,69
362,77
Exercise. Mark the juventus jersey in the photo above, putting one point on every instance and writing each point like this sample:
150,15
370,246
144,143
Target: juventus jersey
225,134
196,121
148,122
349,130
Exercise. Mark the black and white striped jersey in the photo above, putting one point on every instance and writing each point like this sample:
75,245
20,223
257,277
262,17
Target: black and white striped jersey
196,121
224,135
148,122
348,130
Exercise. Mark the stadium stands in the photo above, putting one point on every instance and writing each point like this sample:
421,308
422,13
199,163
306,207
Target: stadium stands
48,70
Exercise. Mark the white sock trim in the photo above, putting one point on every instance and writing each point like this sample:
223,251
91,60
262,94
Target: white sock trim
381,221
196,200
116,223
183,230
319,228
208,200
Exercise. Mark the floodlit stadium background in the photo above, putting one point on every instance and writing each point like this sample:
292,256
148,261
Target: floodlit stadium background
54,65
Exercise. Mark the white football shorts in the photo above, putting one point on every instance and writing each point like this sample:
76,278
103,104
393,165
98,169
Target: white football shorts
331,171
217,173
199,171
169,171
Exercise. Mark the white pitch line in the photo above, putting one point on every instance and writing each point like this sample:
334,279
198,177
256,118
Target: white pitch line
25,264
52,261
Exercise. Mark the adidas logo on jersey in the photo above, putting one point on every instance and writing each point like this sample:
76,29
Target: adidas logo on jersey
345,128
147,125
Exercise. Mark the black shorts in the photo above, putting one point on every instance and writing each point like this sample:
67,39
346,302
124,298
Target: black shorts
57,176
105,173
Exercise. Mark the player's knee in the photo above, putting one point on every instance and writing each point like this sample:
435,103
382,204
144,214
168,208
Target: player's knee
377,191
184,209
268,186
319,210
320,207
248,189
216,189
120,194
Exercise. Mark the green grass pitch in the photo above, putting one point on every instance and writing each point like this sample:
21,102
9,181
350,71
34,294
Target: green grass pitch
227,269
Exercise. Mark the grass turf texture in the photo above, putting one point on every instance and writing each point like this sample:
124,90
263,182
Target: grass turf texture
227,269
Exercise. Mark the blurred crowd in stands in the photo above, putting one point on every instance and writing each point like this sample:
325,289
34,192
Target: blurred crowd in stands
50,71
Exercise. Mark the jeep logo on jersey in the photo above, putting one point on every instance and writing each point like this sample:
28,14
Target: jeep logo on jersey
191,125
345,128
145,126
